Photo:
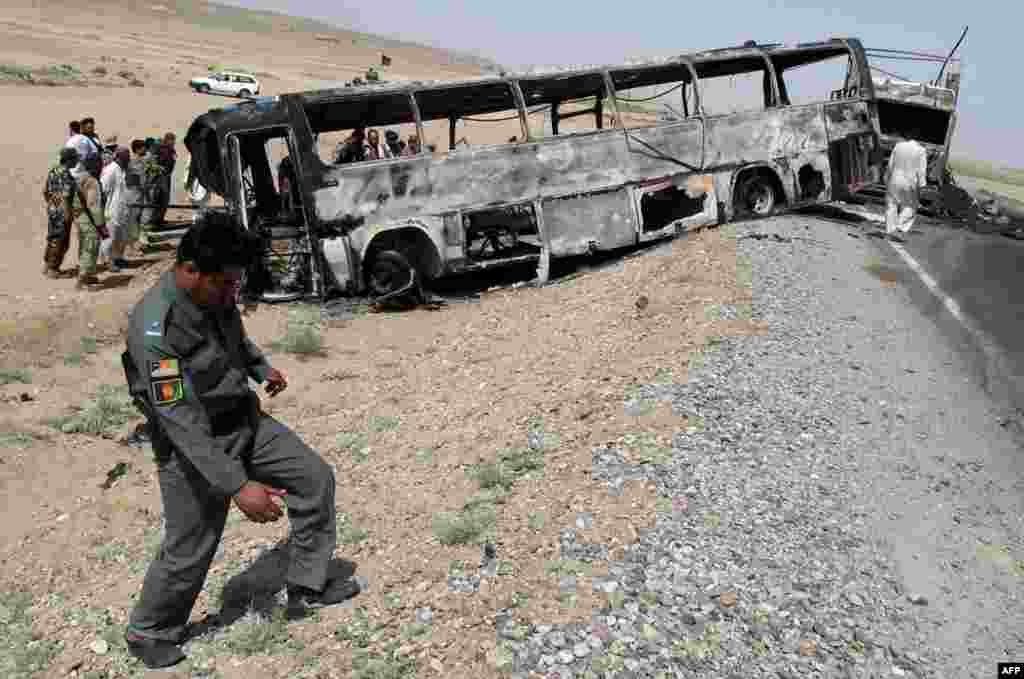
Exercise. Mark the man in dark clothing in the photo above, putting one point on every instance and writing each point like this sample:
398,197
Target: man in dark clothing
166,157
353,149
394,143
188,365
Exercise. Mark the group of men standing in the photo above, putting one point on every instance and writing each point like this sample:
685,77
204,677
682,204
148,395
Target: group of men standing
101,188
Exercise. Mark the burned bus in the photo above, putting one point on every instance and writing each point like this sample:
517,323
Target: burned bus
526,168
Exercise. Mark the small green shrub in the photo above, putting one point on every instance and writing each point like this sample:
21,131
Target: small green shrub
110,409
562,567
254,634
390,665
355,443
382,423
17,440
15,376
349,534
302,335
493,475
21,654
466,527
15,72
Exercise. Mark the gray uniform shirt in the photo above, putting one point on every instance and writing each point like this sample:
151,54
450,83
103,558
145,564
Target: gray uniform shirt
192,367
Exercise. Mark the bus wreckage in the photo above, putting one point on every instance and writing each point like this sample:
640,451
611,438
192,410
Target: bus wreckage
923,110
527,168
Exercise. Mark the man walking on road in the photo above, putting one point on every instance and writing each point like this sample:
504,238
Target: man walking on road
188,364
906,176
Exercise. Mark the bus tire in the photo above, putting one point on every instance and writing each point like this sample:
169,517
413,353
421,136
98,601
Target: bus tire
388,273
756,194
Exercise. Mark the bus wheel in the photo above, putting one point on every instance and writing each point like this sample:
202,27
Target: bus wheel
390,274
755,195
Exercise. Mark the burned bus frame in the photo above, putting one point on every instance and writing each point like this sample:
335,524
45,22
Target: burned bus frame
926,112
550,197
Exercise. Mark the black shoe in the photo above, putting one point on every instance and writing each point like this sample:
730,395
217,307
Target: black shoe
154,653
336,591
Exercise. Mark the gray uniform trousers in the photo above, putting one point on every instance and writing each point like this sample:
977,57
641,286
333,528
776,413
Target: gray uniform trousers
194,522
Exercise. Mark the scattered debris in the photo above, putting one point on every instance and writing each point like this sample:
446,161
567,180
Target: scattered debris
116,472
767,236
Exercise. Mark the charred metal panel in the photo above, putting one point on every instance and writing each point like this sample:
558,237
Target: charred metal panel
359,194
847,118
578,224
666,150
762,136
205,136
575,163
495,175
337,254
921,94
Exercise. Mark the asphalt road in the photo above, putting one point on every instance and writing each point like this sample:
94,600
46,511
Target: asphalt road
984,276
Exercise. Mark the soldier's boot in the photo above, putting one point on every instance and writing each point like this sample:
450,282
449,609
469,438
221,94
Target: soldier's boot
154,653
337,590
85,281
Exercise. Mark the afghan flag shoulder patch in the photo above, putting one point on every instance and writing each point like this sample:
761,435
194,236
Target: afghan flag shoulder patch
169,391
164,368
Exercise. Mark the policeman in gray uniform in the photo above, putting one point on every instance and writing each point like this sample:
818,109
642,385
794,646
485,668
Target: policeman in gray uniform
188,366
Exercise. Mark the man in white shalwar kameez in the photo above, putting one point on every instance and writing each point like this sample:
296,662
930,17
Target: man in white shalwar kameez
116,210
906,176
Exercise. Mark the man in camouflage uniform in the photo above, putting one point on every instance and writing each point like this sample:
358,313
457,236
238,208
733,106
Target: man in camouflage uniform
58,194
135,182
92,227
188,366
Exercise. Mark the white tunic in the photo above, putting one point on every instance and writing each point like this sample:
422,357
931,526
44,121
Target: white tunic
115,190
908,172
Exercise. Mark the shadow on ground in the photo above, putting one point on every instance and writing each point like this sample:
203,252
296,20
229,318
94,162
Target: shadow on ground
256,589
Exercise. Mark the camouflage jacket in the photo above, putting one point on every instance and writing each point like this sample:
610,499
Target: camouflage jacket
58,194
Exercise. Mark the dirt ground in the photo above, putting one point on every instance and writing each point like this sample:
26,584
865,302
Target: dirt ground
402,404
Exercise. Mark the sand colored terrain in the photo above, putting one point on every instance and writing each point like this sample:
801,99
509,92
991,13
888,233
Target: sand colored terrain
430,393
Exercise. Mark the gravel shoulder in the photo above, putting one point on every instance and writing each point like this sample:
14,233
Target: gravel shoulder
848,507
